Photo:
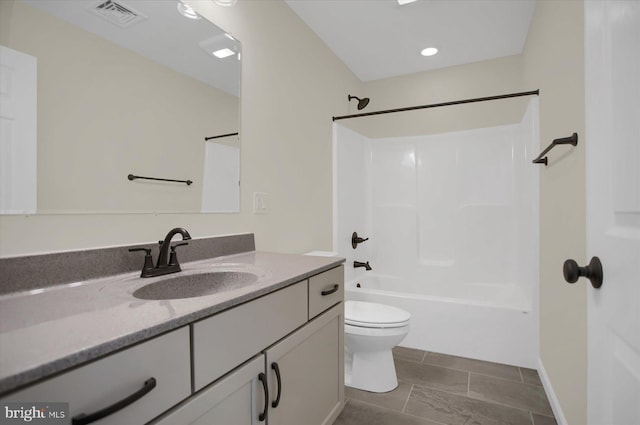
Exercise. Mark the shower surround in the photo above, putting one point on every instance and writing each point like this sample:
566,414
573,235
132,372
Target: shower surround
453,225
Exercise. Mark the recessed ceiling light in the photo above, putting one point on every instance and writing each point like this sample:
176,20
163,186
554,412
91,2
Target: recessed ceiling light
223,53
403,2
187,11
429,51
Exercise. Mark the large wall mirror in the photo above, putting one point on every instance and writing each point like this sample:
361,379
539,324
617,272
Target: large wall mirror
131,87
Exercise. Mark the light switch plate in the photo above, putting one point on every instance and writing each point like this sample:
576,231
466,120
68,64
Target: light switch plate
260,203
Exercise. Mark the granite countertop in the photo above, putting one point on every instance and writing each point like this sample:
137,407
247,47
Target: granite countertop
47,331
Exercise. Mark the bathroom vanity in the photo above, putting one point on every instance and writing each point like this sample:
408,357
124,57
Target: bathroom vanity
268,352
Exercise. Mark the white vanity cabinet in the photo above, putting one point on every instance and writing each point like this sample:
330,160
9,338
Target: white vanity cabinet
297,374
236,399
274,360
306,372
91,388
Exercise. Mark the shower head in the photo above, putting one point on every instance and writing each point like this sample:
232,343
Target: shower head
362,103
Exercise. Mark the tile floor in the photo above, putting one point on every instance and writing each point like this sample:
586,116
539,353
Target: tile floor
438,389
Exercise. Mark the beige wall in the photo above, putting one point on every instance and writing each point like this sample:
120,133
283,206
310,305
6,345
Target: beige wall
291,87
480,79
554,61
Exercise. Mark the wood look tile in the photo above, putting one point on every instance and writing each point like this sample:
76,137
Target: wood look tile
441,378
394,400
360,413
543,420
509,393
408,354
530,376
452,409
477,366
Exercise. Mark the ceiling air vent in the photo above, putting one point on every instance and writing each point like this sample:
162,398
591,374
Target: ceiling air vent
118,13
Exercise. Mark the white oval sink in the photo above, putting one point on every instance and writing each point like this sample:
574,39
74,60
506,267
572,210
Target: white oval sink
195,285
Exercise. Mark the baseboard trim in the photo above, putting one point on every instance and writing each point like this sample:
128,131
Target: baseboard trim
551,395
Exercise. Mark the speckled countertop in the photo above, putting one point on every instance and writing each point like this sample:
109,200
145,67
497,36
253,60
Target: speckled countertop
46,331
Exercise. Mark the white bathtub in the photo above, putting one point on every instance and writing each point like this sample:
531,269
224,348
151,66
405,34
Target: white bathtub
482,321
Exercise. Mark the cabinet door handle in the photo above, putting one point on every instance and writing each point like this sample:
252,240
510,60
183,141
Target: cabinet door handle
276,368
330,291
84,419
263,378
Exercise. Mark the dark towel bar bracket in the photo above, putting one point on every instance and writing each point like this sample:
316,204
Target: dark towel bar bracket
132,177
571,140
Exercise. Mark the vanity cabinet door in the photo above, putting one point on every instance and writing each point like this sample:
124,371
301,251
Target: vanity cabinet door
236,399
306,372
157,370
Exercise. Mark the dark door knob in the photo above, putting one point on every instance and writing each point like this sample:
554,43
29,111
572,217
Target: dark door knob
592,271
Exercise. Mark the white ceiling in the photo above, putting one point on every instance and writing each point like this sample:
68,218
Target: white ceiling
162,35
380,39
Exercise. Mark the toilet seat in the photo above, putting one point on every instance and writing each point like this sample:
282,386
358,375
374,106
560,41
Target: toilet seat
372,315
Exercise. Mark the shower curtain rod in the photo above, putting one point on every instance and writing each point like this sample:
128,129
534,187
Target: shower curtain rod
436,105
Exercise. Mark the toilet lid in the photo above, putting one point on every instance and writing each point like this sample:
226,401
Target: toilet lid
372,315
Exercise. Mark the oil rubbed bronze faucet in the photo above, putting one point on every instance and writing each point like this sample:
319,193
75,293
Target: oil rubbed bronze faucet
163,266
357,264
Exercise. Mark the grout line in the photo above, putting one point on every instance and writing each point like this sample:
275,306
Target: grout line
501,378
526,409
521,376
424,418
525,384
533,422
385,408
490,402
407,400
424,356
468,383
428,387
477,373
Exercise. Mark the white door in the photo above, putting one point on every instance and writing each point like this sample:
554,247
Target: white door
612,143
17,132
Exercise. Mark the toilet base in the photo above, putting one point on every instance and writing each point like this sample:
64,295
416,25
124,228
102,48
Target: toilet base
372,371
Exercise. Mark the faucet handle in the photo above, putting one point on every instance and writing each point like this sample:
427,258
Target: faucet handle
355,240
148,259
173,257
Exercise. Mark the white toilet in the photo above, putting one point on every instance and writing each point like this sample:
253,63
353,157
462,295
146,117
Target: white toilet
370,332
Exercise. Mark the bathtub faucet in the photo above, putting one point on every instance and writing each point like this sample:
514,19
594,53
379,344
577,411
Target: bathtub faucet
357,264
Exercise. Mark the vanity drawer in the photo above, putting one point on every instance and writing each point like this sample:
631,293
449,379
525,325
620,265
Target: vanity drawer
224,341
91,388
325,290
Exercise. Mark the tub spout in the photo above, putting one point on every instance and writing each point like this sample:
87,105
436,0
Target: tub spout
357,264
